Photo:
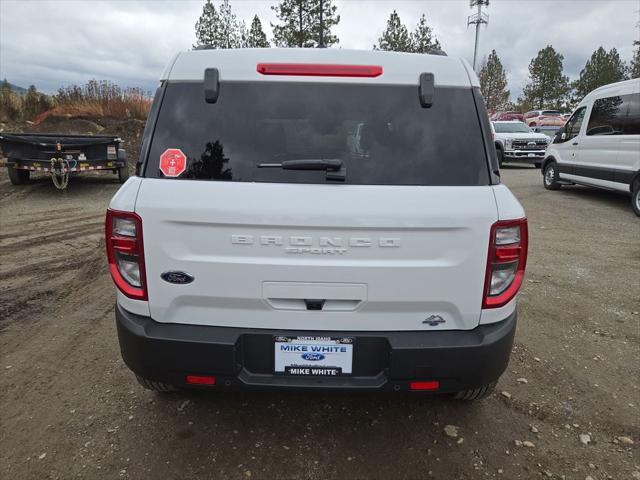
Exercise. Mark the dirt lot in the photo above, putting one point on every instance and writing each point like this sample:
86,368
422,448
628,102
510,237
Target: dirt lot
70,408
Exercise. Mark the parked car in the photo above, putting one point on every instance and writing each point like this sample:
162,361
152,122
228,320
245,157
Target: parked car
515,142
506,116
600,144
317,218
544,117
549,130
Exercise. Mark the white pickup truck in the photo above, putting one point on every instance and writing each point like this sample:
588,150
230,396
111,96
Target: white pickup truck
516,142
321,218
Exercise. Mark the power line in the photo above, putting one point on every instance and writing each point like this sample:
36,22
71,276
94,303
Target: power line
477,19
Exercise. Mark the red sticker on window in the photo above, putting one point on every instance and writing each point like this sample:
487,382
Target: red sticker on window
173,162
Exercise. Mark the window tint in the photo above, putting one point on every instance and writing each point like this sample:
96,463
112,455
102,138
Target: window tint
619,115
572,128
511,127
381,133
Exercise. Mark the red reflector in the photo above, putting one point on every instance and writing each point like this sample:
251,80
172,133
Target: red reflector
432,385
201,380
319,70
507,254
124,244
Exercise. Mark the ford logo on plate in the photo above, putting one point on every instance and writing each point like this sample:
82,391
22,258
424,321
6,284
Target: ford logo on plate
313,357
179,278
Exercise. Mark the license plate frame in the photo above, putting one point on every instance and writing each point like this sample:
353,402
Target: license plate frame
313,356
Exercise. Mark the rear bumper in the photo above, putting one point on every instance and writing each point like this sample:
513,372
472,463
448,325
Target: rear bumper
459,360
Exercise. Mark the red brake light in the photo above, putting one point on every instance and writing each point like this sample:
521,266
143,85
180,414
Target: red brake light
125,254
506,262
319,70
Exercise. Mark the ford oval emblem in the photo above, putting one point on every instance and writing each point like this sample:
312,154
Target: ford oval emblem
178,278
313,357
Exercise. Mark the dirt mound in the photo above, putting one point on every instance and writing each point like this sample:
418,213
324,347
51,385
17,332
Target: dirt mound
67,126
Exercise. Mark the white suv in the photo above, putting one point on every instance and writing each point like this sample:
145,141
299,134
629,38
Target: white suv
600,144
317,218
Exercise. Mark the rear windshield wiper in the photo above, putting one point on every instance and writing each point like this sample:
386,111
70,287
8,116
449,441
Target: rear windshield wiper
327,164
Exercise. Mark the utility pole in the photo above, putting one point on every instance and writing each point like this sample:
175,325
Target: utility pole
321,42
477,19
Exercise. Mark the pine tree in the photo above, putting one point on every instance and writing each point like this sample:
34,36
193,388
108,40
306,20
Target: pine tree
300,23
396,37
547,87
219,29
422,39
256,38
634,70
601,69
493,83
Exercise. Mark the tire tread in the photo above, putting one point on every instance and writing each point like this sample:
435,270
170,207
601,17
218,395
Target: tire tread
156,386
475,393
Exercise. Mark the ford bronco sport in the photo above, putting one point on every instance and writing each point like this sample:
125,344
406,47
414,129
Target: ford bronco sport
317,219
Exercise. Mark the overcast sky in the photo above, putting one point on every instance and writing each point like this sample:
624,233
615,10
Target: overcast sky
55,43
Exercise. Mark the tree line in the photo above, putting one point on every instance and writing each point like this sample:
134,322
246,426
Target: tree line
299,25
547,86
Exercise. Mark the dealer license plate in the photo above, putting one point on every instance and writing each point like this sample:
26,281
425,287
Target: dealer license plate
313,356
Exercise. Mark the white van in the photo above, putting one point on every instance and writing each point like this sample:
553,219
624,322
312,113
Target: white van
600,144
321,218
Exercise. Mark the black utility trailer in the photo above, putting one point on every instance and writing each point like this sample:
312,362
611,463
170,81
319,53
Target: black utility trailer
61,156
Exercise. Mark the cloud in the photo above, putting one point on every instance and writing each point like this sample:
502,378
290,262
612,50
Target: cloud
56,43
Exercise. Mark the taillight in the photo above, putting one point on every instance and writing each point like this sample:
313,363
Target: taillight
506,262
123,235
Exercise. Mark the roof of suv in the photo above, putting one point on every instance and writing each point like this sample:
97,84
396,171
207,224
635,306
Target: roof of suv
398,68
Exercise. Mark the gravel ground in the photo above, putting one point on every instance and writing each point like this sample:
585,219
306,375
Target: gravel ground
567,407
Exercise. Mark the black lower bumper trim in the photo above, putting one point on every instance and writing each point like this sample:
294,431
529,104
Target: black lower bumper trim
459,360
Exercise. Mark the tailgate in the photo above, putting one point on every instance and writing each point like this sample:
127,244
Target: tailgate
316,257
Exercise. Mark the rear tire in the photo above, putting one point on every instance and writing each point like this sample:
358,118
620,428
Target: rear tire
635,197
156,386
476,393
123,174
550,176
17,177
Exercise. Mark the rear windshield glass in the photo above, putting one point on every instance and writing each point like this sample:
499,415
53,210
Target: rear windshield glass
515,127
380,133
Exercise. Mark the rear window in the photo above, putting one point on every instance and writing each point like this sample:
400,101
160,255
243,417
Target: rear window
515,127
381,133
